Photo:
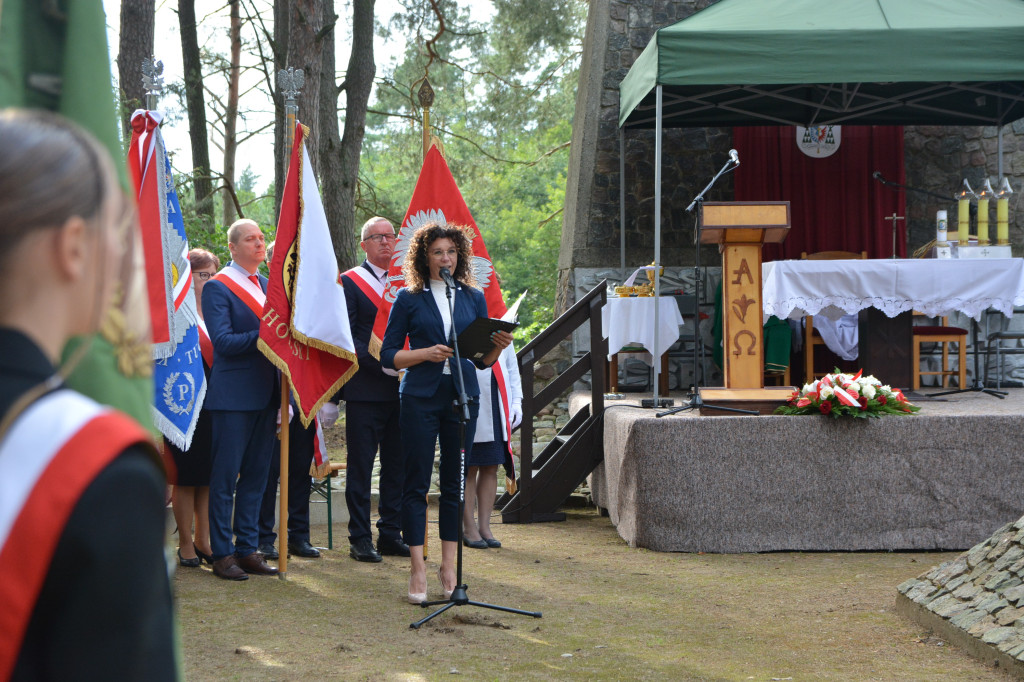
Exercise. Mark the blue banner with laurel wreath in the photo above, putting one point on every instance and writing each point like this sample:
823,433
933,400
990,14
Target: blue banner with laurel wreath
179,381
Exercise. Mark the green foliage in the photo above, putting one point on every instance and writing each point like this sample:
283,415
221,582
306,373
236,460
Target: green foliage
505,96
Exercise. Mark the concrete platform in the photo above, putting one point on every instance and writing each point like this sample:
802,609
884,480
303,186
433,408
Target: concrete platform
945,478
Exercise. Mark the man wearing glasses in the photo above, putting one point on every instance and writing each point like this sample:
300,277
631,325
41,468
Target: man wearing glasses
371,408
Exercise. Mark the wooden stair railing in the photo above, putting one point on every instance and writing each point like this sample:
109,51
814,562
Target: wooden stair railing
547,480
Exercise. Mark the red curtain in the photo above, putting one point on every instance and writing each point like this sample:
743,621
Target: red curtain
835,203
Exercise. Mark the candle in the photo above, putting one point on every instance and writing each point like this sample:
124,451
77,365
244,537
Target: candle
1003,212
1003,221
963,218
983,220
984,197
940,228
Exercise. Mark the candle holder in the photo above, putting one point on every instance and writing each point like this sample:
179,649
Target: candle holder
984,197
1003,212
963,214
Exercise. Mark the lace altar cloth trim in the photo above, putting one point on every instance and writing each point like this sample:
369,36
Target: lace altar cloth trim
832,289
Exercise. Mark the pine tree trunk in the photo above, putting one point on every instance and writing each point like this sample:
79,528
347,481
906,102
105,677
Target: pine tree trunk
344,171
135,46
196,104
280,46
231,114
305,51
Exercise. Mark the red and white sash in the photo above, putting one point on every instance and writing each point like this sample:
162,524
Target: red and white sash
367,282
241,286
47,460
205,342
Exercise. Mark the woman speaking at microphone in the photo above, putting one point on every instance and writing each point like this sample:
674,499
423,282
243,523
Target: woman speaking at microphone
429,389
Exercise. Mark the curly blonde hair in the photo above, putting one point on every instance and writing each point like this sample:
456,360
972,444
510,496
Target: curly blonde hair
416,270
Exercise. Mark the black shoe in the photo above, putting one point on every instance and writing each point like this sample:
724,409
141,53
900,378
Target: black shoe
362,550
203,555
387,546
194,562
304,550
492,543
475,544
268,551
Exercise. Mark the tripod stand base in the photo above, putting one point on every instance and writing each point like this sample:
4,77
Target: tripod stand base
460,598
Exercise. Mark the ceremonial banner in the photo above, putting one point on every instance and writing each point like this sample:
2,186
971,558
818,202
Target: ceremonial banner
305,330
58,61
437,199
178,379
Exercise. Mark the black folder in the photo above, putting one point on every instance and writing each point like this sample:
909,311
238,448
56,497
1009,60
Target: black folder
475,340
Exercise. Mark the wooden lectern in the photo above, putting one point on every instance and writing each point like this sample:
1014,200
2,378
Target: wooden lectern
740,229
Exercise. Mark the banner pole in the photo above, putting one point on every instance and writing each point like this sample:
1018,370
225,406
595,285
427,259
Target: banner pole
282,535
290,81
426,99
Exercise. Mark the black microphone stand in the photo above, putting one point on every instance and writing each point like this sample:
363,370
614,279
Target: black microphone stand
695,402
459,596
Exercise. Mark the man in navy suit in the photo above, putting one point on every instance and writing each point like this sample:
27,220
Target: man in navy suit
371,408
242,397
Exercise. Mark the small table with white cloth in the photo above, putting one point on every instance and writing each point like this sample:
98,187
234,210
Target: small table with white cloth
885,288
629,321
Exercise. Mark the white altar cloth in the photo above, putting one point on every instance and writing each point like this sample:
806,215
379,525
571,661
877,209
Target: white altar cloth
832,288
630,321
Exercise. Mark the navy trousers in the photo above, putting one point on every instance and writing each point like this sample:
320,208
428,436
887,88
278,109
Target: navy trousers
367,426
424,421
243,443
300,456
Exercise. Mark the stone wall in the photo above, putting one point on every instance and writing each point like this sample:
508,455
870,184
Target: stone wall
976,600
938,158
617,32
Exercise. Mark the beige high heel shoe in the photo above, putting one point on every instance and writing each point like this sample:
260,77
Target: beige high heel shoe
446,591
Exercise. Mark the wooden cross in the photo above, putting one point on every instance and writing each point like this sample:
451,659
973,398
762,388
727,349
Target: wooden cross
894,217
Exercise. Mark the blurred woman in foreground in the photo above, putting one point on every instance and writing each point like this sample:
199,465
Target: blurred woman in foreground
83,576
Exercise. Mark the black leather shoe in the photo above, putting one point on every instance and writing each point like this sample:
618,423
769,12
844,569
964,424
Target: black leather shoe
268,551
475,544
391,546
492,543
362,550
203,555
303,549
194,562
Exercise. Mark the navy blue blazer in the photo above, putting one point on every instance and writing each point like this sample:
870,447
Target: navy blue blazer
369,383
417,316
242,379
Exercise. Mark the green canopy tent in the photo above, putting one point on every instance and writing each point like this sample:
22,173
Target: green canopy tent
809,63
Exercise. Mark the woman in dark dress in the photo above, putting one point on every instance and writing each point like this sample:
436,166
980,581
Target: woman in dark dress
84,590
421,313
191,497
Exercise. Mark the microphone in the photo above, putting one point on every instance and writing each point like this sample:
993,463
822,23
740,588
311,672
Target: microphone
877,175
734,156
446,275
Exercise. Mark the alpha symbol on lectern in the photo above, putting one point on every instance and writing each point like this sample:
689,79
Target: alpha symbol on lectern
744,269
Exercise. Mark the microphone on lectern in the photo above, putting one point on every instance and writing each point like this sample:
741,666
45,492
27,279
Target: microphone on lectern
446,275
734,156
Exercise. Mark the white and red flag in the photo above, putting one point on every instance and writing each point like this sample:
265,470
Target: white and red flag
304,329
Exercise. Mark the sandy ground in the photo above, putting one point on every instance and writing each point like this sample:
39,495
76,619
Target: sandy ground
609,613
